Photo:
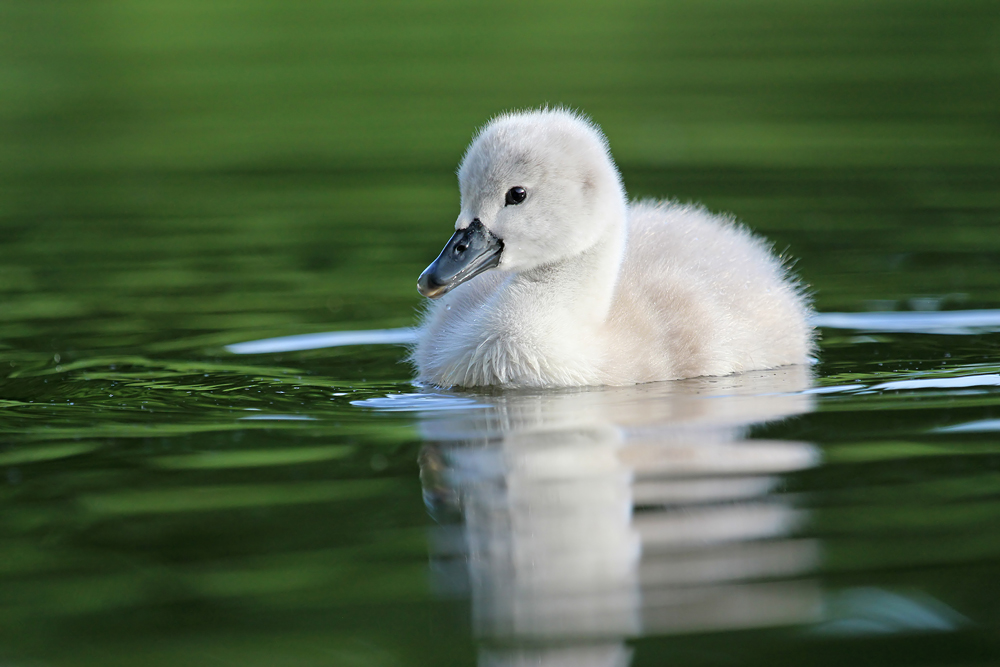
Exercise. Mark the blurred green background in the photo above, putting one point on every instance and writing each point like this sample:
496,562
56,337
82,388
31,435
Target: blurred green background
308,85
180,169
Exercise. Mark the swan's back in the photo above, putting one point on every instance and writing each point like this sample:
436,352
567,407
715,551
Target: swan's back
698,294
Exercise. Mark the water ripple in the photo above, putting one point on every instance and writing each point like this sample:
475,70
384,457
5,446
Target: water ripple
952,322
317,341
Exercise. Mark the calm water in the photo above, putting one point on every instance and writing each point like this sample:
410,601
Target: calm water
176,181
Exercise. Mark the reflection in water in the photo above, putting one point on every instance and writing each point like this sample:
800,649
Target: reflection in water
576,519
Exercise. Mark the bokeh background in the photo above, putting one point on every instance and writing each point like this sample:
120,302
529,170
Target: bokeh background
179,175
282,166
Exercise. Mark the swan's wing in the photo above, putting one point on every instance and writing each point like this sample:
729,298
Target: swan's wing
711,296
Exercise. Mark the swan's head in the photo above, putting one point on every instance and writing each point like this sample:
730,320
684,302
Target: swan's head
537,188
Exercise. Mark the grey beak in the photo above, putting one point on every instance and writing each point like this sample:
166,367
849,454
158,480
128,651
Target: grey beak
469,252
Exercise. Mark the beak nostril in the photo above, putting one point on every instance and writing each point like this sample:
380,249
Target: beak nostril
461,247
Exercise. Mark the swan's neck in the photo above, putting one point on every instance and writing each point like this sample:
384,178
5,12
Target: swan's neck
575,293
541,327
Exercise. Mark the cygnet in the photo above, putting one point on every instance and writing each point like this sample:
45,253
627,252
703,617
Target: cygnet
554,279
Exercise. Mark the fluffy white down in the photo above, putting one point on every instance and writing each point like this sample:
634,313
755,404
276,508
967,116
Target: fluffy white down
592,290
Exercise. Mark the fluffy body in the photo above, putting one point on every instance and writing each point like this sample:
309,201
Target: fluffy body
592,290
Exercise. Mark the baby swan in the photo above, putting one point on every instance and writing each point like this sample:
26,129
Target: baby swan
552,279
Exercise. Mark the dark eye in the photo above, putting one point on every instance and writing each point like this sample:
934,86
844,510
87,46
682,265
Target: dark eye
516,195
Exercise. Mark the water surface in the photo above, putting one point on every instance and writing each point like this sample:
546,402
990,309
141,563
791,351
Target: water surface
183,188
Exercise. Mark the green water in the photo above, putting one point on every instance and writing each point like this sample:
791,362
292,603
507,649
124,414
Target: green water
175,178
